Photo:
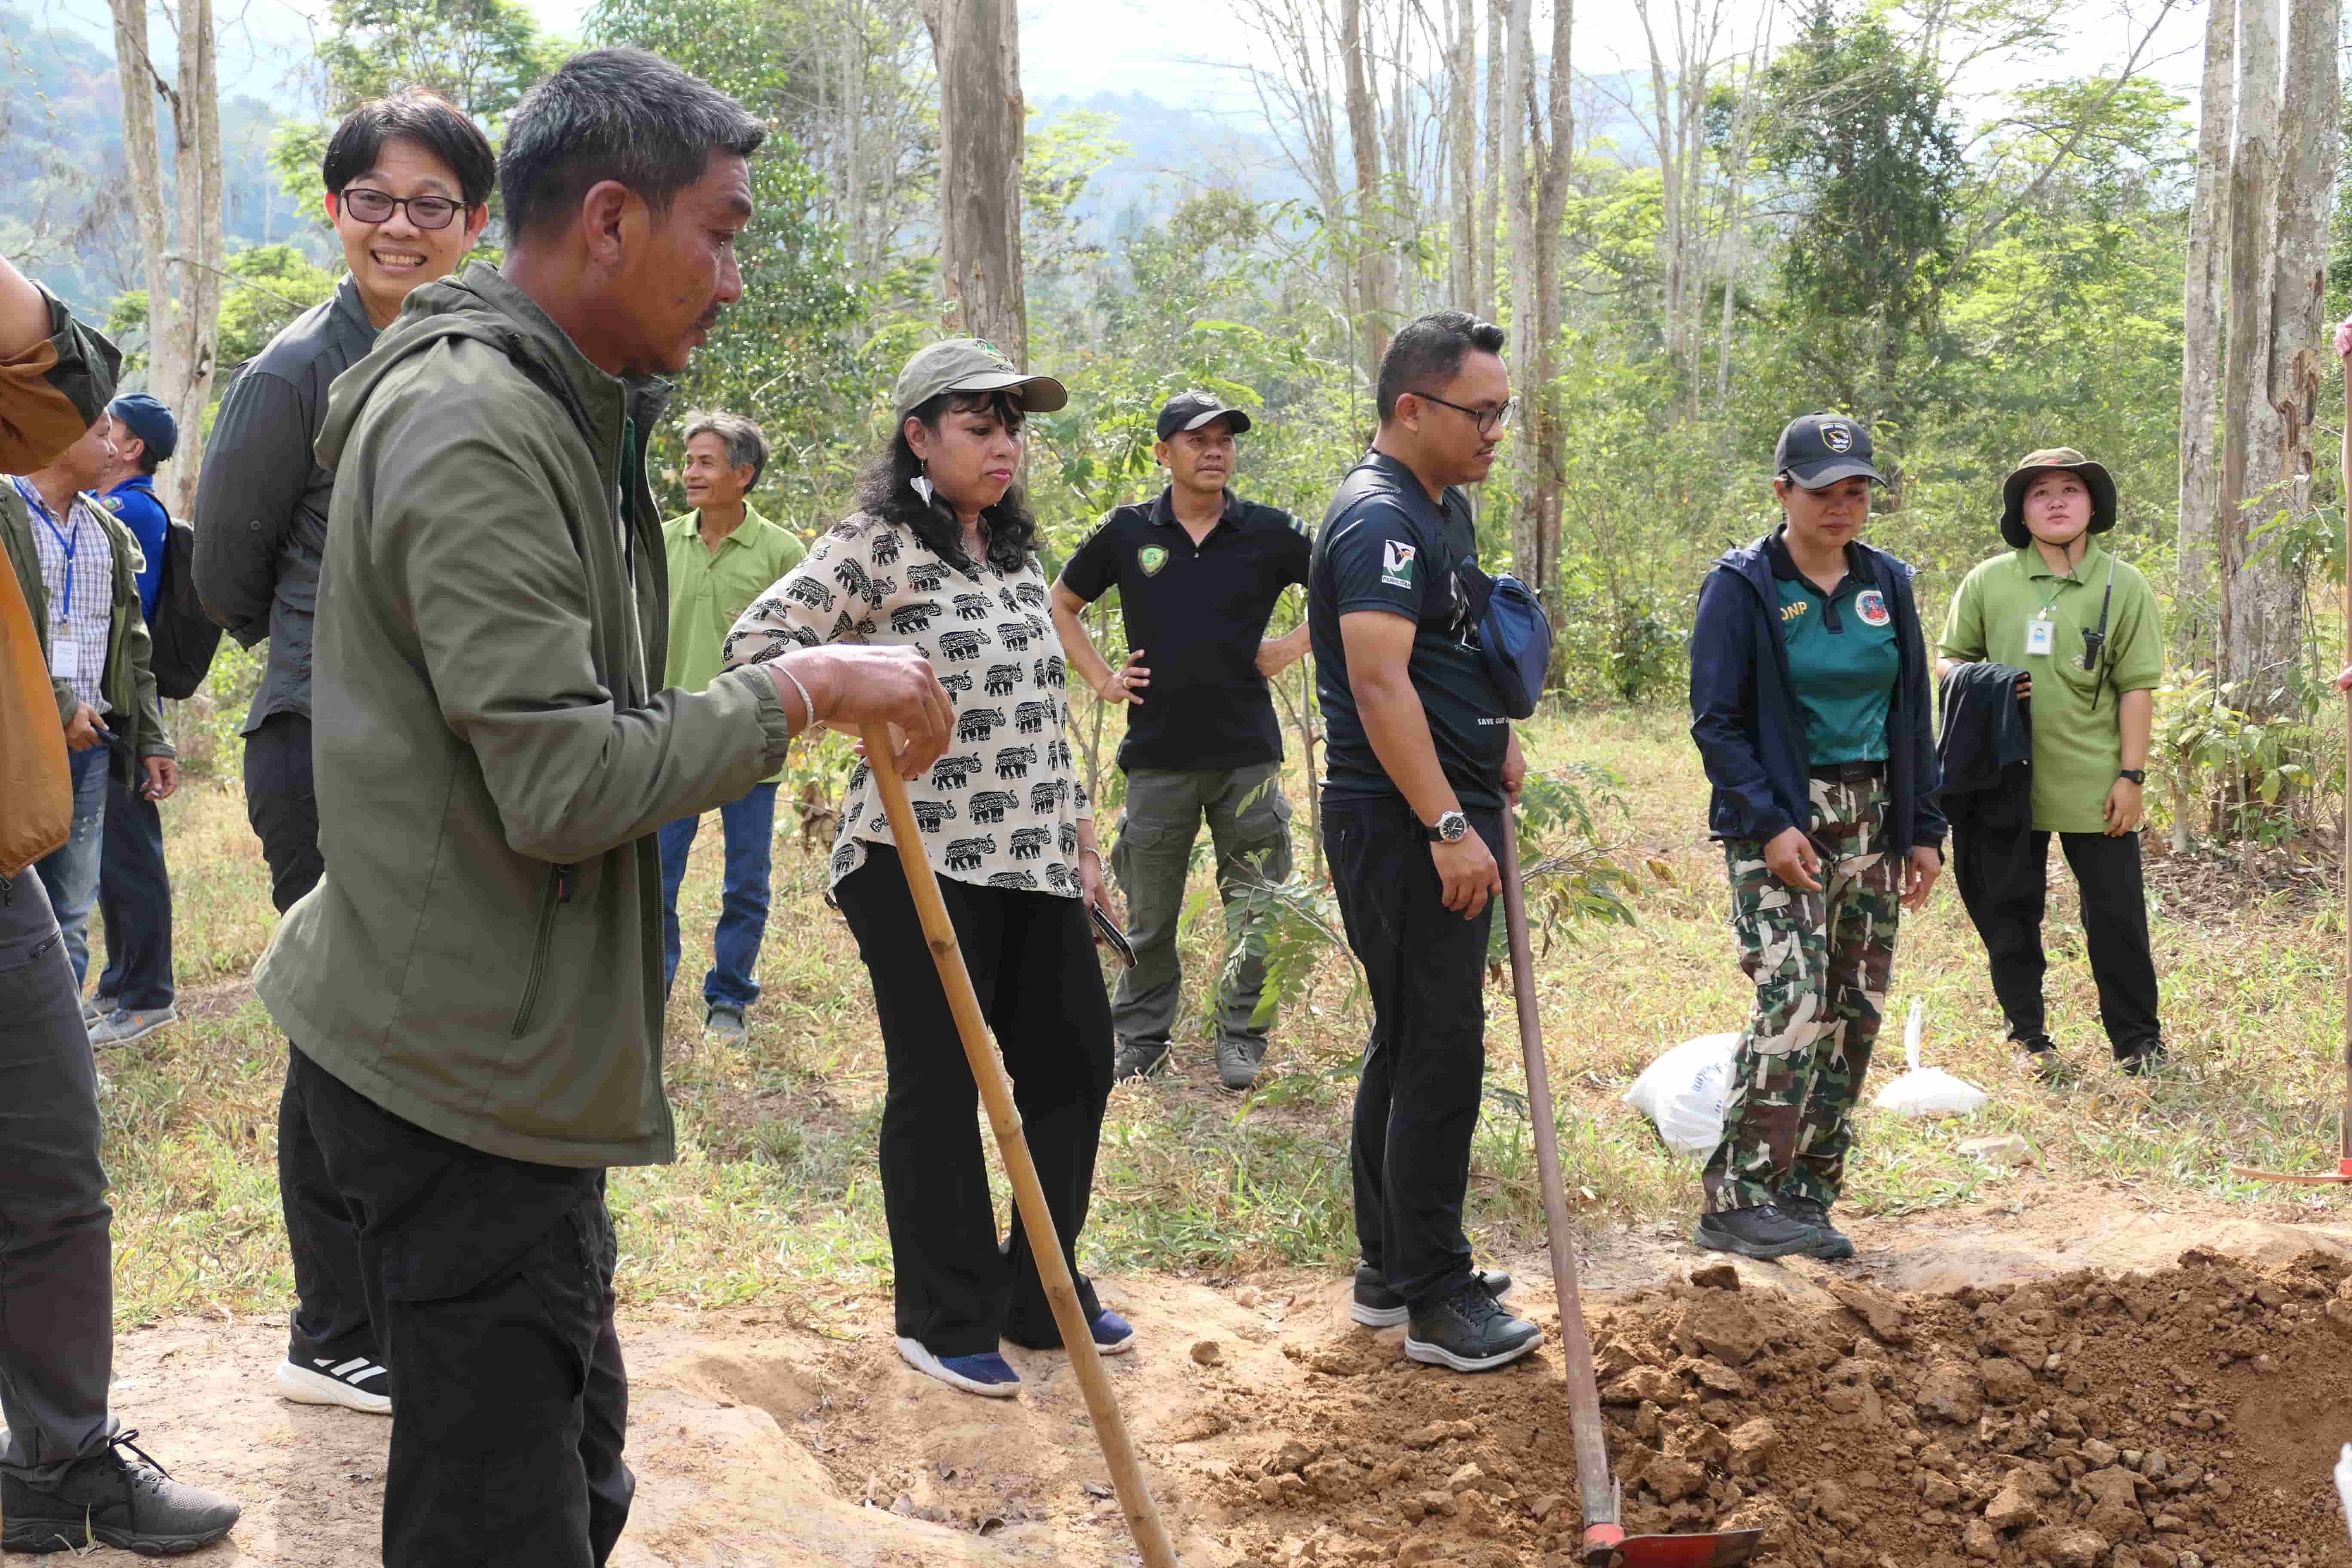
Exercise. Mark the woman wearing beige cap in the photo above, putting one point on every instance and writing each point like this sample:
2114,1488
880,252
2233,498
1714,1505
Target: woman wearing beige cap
940,556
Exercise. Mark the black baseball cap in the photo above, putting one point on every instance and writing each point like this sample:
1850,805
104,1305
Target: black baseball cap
1190,410
1819,449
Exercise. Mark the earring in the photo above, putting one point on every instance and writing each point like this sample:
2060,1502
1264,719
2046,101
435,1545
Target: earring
921,483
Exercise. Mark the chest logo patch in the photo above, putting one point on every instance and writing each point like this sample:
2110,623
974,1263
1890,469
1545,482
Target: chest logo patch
1151,558
113,503
1396,564
1795,612
1871,605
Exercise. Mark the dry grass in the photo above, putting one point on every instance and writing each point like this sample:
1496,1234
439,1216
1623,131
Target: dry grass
774,1196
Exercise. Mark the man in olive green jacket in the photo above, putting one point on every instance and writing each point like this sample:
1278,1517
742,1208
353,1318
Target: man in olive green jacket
473,989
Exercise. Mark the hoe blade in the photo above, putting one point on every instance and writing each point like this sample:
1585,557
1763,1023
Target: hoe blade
1720,1550
2340,1176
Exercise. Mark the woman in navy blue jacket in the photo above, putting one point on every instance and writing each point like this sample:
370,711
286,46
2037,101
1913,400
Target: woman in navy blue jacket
1810,707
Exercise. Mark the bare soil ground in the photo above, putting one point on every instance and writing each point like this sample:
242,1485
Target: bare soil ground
2074,1378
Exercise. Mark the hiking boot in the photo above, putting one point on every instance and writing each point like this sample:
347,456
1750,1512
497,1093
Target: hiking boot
724,1025
1138,1059
2041,1059
1378,1307
125,1024
355,1383
1238,1057
2146,1062
988,1375
108,1499
1763,1231
1834,1243
1469,1333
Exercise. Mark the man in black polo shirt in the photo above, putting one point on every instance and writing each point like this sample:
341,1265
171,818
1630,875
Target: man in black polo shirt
1419,758
1198,572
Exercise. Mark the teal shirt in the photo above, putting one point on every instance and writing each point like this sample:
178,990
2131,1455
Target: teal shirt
1842,657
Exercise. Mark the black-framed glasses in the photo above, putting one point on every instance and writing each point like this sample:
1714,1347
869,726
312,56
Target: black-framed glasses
1489,419
370,205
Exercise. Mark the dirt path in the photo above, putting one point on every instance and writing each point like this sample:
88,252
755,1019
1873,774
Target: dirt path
1900,1405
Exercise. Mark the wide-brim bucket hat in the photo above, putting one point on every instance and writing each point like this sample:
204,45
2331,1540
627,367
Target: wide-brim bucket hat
973,364
2095,478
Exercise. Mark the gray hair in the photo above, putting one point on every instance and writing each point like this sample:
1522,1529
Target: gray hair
616,114
746,443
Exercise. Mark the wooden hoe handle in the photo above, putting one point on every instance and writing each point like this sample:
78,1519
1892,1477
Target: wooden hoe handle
996,1094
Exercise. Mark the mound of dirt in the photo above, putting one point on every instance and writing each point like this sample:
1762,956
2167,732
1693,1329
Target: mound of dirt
2180,1418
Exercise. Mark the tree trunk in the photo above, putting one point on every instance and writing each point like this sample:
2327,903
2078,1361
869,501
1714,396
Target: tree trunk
1518,193
1539,197
2205,284
1672,247
1372,304
184,280
1490,234
1464,275
976,45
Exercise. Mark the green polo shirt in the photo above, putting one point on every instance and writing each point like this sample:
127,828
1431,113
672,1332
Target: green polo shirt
1843,660
709,588
2076,750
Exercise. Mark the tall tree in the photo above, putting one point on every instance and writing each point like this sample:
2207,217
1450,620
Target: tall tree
1465,278
2282,186
1375,303
2201,344
1537,302
184,248
976,45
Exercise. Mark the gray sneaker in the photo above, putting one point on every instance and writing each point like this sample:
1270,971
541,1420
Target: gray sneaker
1238,1061
94,1009
1139,1059
724,1024
123,1026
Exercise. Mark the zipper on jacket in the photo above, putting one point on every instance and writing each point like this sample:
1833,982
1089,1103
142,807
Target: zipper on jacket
558,893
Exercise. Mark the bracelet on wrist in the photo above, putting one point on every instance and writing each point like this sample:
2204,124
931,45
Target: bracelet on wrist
808,703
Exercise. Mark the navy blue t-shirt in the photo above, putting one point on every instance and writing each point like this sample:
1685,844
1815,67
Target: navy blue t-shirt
1385,546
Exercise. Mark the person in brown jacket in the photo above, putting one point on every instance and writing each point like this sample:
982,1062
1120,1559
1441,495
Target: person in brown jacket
69,1473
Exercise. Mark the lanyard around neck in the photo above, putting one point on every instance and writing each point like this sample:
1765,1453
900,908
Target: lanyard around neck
69,543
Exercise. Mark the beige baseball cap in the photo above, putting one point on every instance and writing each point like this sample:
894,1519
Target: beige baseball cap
971,364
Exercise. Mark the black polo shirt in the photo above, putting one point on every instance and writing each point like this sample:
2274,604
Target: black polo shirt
1198,611
1383,546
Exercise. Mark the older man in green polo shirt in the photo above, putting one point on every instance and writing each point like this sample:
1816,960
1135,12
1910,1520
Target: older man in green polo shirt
722,555
2084,630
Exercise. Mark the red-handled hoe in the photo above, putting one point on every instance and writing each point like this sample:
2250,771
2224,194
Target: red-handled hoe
1606,1545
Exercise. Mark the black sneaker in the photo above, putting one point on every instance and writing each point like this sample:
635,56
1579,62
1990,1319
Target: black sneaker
1138,1059
1378,1307
1763,1231
1834,1244
2041,1059
107,1500
355,1383
1238,1061
2146,1062
1469,1333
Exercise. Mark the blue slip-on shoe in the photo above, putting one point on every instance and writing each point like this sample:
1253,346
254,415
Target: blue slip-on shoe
1113,1336
988,1375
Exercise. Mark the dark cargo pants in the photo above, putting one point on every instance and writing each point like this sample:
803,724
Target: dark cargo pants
1249,822
1820,963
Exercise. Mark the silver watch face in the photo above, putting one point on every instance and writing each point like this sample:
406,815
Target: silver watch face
1452,827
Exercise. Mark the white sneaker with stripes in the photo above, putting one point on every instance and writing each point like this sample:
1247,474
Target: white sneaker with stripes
358,1384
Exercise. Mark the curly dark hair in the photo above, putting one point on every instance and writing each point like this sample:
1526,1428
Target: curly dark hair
887,490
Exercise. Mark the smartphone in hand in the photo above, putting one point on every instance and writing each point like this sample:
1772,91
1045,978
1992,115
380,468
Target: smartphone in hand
1113,938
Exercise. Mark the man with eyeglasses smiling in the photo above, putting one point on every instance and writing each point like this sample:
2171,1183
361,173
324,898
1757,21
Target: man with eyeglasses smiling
1418,761
408,182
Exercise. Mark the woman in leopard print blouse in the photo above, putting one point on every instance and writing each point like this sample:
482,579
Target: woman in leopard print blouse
940,556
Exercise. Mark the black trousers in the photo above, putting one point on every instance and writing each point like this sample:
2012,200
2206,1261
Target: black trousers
331,1312
134,900
1032,965
2003,878
491,1282
1417,1102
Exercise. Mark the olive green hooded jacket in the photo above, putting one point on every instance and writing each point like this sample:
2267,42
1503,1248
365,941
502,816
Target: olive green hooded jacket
483,955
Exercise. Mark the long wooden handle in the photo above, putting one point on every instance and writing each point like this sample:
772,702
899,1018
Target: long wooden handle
1592,1479
1028,1193
2343,865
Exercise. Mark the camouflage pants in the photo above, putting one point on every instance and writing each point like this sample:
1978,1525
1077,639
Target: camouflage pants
1820,963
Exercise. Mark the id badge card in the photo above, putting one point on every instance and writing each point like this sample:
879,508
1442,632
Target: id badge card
2041,637
65,659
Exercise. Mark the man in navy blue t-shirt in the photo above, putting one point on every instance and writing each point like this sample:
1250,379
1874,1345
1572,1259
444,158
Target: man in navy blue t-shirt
1419,759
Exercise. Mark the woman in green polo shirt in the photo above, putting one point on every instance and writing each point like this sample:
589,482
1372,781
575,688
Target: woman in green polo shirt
1810,707
2083,628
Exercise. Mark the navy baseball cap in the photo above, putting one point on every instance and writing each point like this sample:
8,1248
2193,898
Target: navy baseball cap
1819,449
147,418
1190,410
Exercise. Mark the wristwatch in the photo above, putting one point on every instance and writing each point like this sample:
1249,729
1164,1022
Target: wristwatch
1451,827
2137,775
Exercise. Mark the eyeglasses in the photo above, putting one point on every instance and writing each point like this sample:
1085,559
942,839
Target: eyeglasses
1489,419
375,207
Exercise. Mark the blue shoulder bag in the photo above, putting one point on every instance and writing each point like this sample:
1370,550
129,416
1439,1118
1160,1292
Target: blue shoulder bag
1514,638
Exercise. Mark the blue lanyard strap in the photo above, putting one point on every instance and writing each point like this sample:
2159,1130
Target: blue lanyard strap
71,545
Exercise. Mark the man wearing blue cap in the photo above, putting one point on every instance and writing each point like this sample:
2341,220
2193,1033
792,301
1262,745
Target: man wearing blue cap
135,993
